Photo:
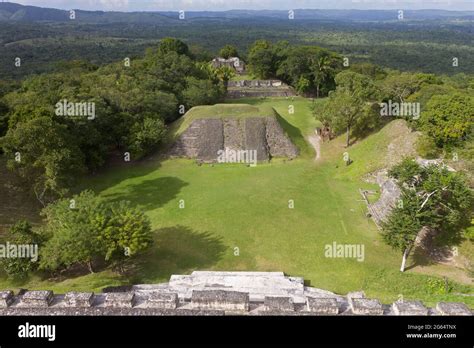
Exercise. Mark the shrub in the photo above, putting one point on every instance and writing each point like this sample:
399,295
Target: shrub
21,233
87,228
426,147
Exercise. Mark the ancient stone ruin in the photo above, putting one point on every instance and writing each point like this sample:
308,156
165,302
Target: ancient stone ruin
258,88
215,293
389,195
390,192
233,62
204,138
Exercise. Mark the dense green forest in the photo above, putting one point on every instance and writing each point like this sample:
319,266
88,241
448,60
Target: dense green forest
408,46
132,101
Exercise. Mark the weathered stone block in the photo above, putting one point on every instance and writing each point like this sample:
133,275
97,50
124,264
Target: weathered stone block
220,300
279,143
6,298
210,139
453,308
37,298
322,305
233,134
162,300
120,299
355,294
79,299
409,308
279,303
365,306
255,137
390,192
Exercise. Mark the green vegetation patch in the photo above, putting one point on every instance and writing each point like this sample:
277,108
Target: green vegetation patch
230,110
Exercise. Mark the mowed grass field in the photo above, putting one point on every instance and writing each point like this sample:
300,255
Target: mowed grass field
238,218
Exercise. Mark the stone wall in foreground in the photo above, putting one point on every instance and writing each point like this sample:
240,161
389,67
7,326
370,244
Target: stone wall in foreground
215,293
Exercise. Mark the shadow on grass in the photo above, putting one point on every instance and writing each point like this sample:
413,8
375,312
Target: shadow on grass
441,245
419,258
150,194
116,170
178,250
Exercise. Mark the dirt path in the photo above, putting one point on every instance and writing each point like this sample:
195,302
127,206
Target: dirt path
315,141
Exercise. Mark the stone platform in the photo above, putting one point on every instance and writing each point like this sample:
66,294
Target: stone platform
205,138
215,293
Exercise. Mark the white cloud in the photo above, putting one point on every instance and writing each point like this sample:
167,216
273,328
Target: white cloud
112,4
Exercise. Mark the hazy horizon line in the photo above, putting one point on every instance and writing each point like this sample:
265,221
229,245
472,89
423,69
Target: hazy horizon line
285,5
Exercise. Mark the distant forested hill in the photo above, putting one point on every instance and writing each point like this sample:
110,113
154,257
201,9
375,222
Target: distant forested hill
17,12
425,41
346,15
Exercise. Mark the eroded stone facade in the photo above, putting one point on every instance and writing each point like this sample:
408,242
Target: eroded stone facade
215,293
258,89
204,138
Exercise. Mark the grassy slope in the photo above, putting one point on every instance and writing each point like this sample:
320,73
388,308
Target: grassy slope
229,206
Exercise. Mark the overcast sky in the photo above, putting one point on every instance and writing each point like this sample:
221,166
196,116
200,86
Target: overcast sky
222,5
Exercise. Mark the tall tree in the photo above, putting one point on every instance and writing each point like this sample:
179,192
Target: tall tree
322,68
433,198
228,51
170,44
145,136
261,59
448,118
350,104
399,86
45,156
224,74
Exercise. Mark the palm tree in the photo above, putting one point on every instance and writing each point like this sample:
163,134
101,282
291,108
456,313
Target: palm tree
210,71
225,73
322,68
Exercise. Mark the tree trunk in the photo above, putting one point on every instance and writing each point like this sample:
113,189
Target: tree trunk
89,266
348,134
317,91
40,196
404,259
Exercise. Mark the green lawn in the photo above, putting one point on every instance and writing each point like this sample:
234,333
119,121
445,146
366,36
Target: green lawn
234,206
242,77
